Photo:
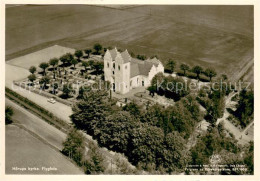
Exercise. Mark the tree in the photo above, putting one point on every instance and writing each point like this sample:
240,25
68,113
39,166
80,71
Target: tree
32,69
66,59
32,78
97,47
182,119
132,54
91,110
44,66
44,81
115,131
249,157
82,90
197,70
73,147
54,62
88,51
193,106
174,158
224,76
98,66
67,90
69,57
91,63
209,72
154,56
63,59
78,54
141,57
145,144
94,163
185,68
55,87
74,62
245,107
8,115
171,65
156,82
133,109
85,65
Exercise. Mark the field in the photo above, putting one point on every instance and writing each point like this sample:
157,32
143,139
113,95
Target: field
36,154
44,55
219,36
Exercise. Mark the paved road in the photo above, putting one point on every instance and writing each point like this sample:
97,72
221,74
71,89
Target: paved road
62,111
33,123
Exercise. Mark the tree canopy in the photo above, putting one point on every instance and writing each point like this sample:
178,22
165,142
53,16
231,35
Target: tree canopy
185,68
44,66
32,78
78,54
88,51
210,72
171,65
32,69
54,62
197,70
97,47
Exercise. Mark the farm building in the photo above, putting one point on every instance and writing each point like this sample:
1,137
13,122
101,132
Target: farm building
125,73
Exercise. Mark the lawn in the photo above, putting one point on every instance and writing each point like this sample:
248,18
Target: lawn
219,36
23,151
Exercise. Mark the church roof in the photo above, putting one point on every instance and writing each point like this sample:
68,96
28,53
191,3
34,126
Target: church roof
113,53
134,70
125,56
137,67
141,67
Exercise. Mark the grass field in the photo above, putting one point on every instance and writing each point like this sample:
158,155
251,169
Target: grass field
21,146
219,36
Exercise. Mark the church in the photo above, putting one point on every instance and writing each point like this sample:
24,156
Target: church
125,73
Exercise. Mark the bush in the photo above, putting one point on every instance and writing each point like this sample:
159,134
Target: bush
8,115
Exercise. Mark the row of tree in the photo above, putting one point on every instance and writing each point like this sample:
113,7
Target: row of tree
198,70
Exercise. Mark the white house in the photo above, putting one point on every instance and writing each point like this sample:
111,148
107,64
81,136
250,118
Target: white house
126,73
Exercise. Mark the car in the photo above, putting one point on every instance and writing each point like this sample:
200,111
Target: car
51,100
